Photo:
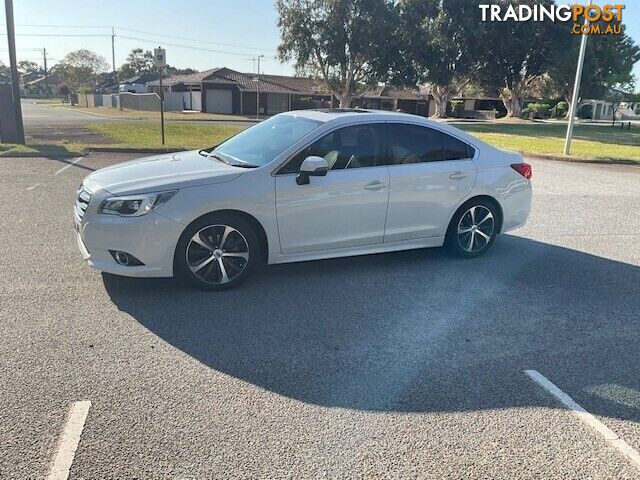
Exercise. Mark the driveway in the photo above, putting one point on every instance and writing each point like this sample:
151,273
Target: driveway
398,365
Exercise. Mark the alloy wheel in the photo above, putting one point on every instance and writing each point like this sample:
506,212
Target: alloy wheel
476,228
217,254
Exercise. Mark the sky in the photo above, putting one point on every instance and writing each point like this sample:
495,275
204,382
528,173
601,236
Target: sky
212,33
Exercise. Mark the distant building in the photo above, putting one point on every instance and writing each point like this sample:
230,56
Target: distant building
137,84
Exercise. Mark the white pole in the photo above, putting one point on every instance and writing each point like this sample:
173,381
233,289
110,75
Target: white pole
576,89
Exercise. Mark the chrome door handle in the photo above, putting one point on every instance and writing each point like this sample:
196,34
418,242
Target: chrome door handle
375,185
458,175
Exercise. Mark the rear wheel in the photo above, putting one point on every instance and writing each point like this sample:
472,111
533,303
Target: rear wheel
217,251
473,229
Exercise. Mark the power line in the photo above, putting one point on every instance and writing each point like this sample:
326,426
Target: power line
162,35
58,35
193,39
185,46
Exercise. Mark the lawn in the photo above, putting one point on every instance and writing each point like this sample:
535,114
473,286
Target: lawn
530,138
187,136
590,142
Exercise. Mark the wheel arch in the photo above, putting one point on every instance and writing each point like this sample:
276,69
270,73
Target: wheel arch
487,198
253,221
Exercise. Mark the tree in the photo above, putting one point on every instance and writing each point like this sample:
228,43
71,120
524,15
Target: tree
440,40
609,61
513,55
79,69
4,70
338,41
26,66
138,61
171,71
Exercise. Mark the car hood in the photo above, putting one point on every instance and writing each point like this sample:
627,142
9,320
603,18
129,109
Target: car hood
160,172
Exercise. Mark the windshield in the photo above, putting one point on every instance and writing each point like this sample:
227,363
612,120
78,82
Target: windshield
262,143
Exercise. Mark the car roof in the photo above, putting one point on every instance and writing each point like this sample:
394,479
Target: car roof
338,116
329,114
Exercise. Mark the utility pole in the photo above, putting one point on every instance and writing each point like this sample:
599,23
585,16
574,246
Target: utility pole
113,48
15,80
258,89
46,78
576,88
160,60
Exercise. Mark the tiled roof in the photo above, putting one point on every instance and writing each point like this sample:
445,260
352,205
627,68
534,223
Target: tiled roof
186,79
298,84
247,81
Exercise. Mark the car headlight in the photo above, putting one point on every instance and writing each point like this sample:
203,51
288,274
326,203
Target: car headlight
134,205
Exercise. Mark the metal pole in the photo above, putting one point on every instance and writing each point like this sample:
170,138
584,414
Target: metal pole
576,90
15,80
258,90
46,79
161,103
113,49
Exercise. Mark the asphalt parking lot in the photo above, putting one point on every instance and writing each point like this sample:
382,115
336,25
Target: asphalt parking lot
402,365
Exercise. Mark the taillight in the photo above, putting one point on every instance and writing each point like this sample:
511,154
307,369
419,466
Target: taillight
523,169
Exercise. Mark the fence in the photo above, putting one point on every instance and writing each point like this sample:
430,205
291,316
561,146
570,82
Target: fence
173,101
140,101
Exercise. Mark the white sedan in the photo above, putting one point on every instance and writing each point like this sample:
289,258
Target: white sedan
301,186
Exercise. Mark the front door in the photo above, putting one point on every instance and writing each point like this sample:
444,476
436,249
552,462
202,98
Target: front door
430,173
347,207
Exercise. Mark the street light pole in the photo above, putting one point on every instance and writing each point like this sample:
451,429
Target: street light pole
258,89
15,80
576,88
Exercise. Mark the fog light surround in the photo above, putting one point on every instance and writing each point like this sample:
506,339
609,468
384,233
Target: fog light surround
125,259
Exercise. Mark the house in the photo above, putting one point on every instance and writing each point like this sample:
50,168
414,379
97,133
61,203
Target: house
392,98
223,90
41,85
137,84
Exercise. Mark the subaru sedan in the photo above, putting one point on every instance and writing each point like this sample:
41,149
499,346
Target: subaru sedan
301,186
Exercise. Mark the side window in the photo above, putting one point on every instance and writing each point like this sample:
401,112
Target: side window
414,144
357,146
455,149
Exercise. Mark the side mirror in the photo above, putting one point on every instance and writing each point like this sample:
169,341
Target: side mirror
312,167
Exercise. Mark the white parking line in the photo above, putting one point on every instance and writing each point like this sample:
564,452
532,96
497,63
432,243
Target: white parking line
69,441
609,435
69,165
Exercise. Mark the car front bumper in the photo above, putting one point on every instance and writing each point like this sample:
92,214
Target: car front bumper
150,238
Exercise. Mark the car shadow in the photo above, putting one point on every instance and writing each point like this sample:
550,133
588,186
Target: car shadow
413,331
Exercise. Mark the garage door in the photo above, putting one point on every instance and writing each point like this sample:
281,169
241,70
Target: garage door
219,101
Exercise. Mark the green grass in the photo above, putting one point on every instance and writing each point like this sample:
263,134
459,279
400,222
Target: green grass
590,142
177,135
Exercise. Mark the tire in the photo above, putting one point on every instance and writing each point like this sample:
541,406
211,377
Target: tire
217,251
473,228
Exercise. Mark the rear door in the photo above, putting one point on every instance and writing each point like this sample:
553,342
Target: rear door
347,207
430,173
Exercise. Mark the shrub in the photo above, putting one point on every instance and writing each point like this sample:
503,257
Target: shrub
560,110
537,110
457,108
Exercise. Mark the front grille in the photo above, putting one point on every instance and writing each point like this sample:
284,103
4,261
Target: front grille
82,202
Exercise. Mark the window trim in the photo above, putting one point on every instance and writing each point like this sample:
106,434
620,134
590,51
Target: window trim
383,150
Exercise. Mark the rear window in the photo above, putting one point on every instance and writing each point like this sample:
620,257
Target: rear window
455,149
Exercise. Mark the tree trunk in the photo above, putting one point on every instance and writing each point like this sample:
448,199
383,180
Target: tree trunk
512,102
442,96
343,99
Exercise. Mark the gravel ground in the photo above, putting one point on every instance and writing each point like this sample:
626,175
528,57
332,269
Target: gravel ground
398,365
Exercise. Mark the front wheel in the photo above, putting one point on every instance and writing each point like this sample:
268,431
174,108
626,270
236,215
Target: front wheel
473,229
217,252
